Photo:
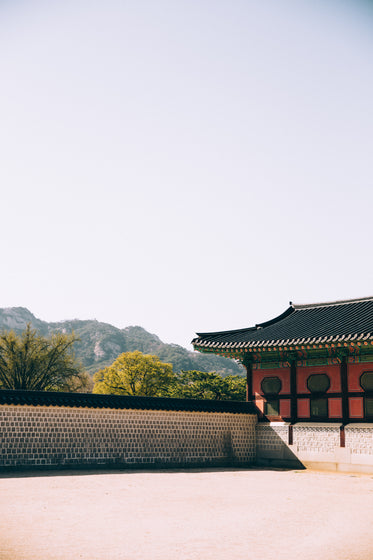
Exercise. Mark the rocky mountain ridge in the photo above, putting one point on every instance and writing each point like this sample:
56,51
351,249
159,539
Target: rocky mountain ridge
101,343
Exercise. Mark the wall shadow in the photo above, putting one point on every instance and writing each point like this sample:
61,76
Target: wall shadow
273,447
21,472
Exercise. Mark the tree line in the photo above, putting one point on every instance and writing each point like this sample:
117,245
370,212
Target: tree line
30,361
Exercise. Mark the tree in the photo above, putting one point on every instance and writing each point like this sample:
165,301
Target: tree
135,373
34,362
83,383
209,385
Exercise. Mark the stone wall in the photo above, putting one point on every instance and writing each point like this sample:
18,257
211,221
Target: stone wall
65,436
54,430
271,440
359,445
272,448
315,445
316,438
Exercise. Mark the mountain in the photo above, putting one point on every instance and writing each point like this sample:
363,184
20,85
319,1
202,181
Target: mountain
101,343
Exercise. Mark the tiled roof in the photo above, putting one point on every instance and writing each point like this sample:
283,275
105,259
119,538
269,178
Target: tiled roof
83,400
337,321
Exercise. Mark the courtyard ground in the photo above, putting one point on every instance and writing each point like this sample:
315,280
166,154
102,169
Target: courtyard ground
186,515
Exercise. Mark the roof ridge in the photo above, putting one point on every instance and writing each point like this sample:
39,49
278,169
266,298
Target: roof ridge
330,303
283,315
245,329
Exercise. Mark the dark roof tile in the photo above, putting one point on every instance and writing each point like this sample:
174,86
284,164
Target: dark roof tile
332,321
87,400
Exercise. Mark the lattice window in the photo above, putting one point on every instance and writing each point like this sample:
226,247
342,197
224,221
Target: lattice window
318,384
271,386
366,382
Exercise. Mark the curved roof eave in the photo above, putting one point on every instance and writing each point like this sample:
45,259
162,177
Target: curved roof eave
345,320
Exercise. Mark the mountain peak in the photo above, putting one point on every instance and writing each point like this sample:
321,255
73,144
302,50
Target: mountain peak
100,344
17,318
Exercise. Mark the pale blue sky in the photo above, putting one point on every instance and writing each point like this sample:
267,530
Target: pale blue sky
181,165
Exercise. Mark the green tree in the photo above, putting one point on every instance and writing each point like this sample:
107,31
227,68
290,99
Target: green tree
209,385
34,362
135,373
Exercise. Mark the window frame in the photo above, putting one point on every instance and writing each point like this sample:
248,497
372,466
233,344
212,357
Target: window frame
270,393
319,396
275,403
318,392
271,399
367,395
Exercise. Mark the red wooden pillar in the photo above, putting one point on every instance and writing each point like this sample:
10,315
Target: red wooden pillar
293,400
342,439
344,389
290,434
293,391
249,382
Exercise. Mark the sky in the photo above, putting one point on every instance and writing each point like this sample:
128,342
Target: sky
187,166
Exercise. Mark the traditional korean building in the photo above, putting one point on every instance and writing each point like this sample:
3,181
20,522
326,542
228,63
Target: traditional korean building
312,363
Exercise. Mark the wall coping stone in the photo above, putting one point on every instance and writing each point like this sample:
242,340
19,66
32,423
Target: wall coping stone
89,400
279,423
318,425
355,426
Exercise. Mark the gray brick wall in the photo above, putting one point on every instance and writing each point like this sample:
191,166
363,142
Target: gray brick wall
316,439
34,436
316,445
271,437
359,439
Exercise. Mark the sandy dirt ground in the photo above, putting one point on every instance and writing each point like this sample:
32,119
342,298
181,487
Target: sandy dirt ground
186,515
